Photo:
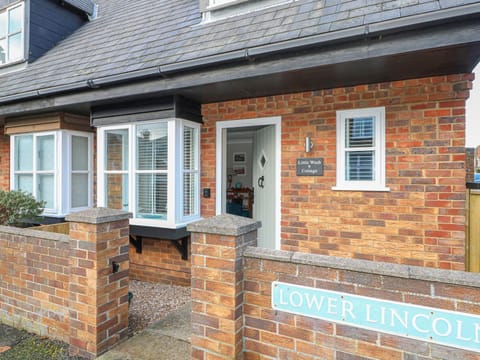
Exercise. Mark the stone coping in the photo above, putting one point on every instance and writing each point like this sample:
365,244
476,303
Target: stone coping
98,215
225,224
30,232
365,266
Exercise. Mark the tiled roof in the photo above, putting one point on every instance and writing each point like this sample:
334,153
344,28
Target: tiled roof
128,36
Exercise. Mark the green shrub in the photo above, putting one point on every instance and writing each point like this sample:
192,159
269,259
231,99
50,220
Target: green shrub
17,207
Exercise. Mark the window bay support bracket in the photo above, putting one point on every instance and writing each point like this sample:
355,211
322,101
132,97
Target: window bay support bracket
137,243
182,246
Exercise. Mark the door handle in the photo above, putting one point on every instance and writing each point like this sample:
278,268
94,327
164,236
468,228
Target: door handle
260,181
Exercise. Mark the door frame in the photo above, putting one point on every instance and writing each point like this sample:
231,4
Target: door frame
221,147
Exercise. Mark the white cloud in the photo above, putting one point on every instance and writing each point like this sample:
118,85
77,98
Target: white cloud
473,112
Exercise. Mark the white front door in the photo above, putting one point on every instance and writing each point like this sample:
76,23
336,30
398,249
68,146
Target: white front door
264,185
265,173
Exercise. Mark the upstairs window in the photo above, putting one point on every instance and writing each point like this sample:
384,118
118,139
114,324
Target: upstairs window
152,170
361,150
12,34
55,167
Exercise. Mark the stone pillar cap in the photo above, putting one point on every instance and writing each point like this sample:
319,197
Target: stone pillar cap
225,224
98,215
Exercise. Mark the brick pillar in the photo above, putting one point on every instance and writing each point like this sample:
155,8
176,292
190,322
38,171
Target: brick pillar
218,244
98,292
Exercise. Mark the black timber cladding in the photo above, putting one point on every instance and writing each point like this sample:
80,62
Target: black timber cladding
145,110
49,24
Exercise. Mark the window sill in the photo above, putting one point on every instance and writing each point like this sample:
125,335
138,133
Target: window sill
158,223
359,188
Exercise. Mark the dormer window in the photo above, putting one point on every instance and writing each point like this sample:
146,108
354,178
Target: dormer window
12,34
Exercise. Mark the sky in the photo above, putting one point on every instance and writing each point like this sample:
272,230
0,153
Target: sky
473,112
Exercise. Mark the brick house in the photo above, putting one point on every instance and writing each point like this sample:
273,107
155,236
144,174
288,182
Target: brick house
339,124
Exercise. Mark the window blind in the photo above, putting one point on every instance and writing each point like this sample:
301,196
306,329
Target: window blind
190,175
359,140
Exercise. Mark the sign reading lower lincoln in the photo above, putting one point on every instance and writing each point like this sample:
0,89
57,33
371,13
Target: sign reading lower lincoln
434,325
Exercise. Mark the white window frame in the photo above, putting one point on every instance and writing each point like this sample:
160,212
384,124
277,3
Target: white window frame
9,61
62,194
378,183
175,217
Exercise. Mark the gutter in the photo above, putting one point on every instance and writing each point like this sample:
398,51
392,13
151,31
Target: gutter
250,54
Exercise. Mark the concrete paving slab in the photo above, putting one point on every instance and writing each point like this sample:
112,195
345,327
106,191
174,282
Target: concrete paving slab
176,324
167,339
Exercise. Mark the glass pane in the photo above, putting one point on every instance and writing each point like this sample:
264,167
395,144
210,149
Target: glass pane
116,148
189,146
359,132
3,24
190,195
79,153
46,190
24,182
116,191
360,165
79,190
15,20
24,153
15,47
152,146
3,51
152,196
46,152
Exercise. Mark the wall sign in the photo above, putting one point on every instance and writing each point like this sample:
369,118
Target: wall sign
433,325
310,167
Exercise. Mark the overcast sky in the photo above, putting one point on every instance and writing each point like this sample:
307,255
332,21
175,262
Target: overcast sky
473,112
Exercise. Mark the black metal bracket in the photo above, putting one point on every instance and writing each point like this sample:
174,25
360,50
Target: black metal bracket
182,246
137,242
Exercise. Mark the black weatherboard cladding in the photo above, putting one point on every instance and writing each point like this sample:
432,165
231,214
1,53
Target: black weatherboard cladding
49,24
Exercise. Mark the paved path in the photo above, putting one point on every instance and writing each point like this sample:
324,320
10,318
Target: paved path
167,339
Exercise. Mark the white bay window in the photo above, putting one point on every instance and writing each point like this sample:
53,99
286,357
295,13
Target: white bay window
55,167
152,170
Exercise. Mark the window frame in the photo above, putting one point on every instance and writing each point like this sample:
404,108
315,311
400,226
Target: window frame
8,35
62,171
175,197
379,168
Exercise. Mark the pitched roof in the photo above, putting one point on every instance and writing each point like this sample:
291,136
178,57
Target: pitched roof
143,36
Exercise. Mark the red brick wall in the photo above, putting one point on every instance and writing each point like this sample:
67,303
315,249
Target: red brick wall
64,286
273,334
34,283
419,222
159,261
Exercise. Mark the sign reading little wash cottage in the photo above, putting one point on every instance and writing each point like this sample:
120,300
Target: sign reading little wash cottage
434,325
310,167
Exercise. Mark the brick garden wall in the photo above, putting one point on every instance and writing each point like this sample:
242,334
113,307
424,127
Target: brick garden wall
64,286
233,316
421,221
34,281
271,334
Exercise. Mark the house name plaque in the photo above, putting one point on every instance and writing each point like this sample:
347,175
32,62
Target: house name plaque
310,167
444,327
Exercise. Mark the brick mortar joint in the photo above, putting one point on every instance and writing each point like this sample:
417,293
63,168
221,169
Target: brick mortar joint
368,267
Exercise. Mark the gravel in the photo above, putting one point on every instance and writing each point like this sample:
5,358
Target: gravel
152,301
